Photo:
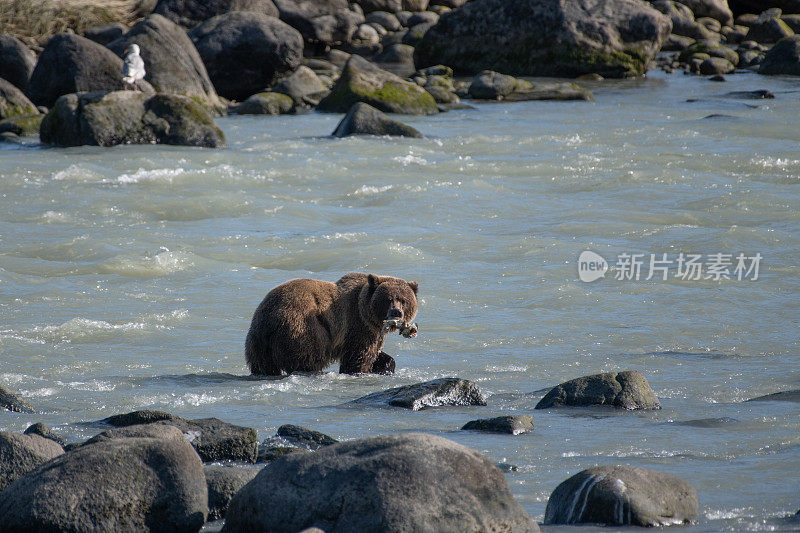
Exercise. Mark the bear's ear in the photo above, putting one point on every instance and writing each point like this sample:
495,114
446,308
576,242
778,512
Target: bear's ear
414,286
373,281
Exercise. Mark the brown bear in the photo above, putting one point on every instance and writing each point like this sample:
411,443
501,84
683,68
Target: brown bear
306,324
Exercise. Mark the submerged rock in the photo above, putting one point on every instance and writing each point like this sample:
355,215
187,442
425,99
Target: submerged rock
363,119
244,52
622,496
143,416
490,85
136,484
362,81
783,396
435,393
547,38
12,402
171,60
625,390
127,117
16,61
265,103
502,424
19,454
783,58
223,482
70,63
405,482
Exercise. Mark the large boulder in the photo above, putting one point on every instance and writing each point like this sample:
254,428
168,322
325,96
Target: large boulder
10,401
362,81
625,390
223,483
126,117
683,21
16,61
769,28
613,38
622,496
321,22
19,454
434,393
70,63
172,63
363,119
783,58
245,52
214,439
402,482
135,484
716,9
190,13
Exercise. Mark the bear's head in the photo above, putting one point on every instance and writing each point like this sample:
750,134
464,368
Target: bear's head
389,298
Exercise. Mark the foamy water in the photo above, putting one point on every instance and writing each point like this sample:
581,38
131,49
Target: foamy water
128,277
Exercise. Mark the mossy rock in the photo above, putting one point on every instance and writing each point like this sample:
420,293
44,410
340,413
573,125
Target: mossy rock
22,124
362,81
13,101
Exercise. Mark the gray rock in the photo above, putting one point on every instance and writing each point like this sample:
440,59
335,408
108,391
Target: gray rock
321,22
715,9
750,58
683,21
397,59
734,34
301,86
154,430
783,396
677,43
136,484
442,95
415,33
793,21
435,393
363,119
625,390
16,61
190,13
423,17
12,402
265,103
415,5
385,19
245,52
70,63
106,33
613,38
783,58
362,81
716,65
19,454
488,84
47,432
622,496
22,125
171,60
768,29
143,416
308,438
223,482
502,424
390,6
125,117
268,452
452,4
403,482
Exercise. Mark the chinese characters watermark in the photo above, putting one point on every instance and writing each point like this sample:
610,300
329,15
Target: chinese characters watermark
683,266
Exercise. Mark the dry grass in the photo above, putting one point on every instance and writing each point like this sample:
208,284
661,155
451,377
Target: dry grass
35,21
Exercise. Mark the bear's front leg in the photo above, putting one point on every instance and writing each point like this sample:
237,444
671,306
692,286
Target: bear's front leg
384,364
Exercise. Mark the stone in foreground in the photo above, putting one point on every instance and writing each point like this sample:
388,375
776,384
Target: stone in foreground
20,454
12,402
136,484
622,496
614,38
362,81
513,425
625,390
363,119
45,431
435,393
783,58
403,482
223,483
128,117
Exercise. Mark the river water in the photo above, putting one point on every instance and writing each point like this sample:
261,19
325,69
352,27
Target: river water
128,277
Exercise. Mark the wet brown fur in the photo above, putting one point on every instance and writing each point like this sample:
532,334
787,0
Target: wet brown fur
306,324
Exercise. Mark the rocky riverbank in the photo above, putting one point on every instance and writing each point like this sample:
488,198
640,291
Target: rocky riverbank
403,57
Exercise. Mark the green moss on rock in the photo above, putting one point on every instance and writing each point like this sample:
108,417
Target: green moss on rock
22,124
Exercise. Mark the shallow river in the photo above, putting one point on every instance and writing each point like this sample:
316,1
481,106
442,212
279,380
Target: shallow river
128,277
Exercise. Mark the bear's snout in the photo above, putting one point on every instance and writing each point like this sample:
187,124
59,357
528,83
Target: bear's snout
394,312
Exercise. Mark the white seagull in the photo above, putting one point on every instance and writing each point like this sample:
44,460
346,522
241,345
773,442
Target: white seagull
133,67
